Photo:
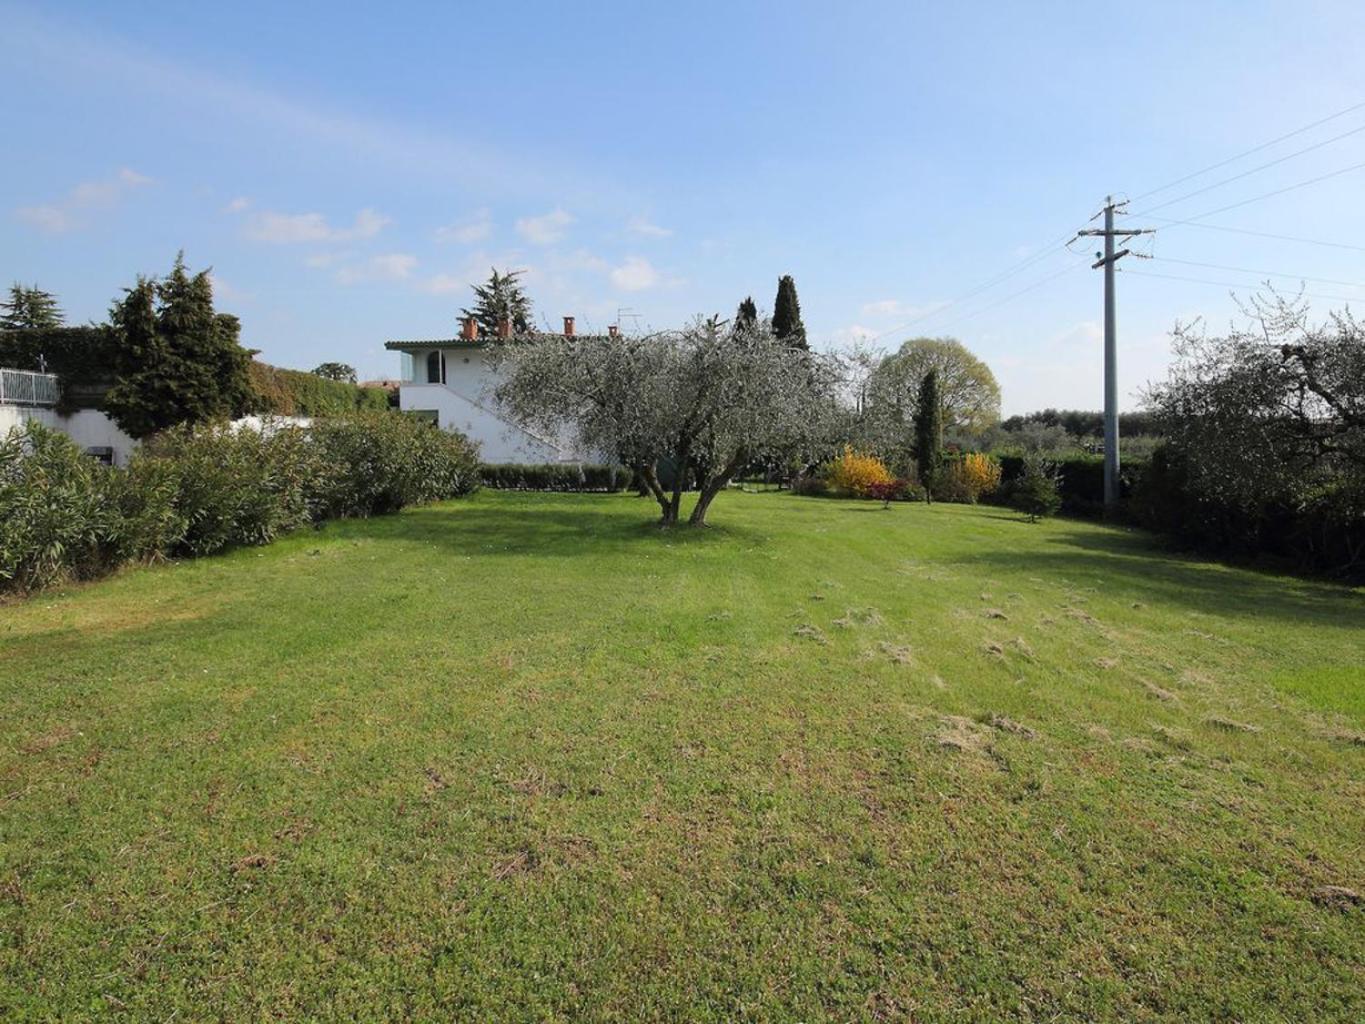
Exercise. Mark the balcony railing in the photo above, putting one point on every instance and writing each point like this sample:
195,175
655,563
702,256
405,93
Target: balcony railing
23,387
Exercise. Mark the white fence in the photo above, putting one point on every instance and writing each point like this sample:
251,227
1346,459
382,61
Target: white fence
23,387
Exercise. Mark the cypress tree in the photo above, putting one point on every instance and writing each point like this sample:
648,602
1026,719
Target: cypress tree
746,317
929,432
787,323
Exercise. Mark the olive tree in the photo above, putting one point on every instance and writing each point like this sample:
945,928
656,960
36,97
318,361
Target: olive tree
707,399
1271,410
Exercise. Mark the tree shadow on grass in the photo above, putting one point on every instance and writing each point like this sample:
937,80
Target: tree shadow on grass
1138,564
549,528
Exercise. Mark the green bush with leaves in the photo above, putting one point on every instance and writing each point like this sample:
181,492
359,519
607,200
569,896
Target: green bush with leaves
198,490
55,519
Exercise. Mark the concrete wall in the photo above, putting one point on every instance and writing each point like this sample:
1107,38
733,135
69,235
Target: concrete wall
89,428
465,403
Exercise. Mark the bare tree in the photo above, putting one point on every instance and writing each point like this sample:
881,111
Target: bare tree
706,399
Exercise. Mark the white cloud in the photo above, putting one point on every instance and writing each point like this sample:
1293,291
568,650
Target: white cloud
237,205
635,275
290,228
853,332
545,229
70,212
225,291
475,229
391,266
643,226
475,268
895,307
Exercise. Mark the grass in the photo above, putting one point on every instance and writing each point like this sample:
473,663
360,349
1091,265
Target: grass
524,757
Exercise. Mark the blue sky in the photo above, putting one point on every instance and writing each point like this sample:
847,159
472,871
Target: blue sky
348,173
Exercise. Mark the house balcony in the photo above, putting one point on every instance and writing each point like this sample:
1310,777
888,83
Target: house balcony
24,387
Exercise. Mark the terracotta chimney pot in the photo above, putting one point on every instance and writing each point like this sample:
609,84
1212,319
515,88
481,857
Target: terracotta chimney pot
504,328
568,327
611,330
469,329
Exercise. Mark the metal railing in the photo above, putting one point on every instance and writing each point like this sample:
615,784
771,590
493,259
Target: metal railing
24,387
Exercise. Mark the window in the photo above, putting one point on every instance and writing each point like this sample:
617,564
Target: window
436,365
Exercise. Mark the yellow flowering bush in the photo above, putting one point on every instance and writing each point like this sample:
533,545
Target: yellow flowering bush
856,474
969,478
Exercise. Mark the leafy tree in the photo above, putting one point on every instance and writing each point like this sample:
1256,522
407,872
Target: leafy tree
705,400
969,396
502,298
787,325
746,317
929,431
343,372
176,360
29,309
1036,493
1265,430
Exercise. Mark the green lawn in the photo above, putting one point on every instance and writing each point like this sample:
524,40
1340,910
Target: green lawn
525,757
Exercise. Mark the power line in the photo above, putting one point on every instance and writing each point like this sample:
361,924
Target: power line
1254,170
1277,192
1249,152
1259,234
1233,284
1047,250
1246,270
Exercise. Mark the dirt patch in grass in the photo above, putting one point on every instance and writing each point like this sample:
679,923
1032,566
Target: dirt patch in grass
813,633
899,653
1173,738
1006,724
47,740
252,862
859,617
995,613
958,733
1229,725
1107,664
1158,692
1337,897
1347,736
994,649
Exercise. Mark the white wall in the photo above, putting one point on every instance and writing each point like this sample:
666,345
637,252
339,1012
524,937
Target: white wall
465,403
89,428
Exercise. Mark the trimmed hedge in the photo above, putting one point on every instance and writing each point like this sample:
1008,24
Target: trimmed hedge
1080,481
573,476
297,393
197,490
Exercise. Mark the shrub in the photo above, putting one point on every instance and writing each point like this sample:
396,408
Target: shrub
968,479
194,491
378,463
1036,493
232,487
55,520
854,474
813,485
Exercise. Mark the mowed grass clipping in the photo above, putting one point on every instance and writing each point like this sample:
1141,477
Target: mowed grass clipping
525,757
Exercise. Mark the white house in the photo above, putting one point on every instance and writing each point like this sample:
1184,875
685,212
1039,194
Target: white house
451,380
26,396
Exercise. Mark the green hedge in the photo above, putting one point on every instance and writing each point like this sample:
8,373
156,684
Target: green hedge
296,393
555,477
1080,480
197,490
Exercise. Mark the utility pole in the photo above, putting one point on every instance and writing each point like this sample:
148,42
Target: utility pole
1107,259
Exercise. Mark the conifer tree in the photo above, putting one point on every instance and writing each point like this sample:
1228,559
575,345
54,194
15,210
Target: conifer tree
929,432
502,298
176,359
29,309
746,317
787,324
